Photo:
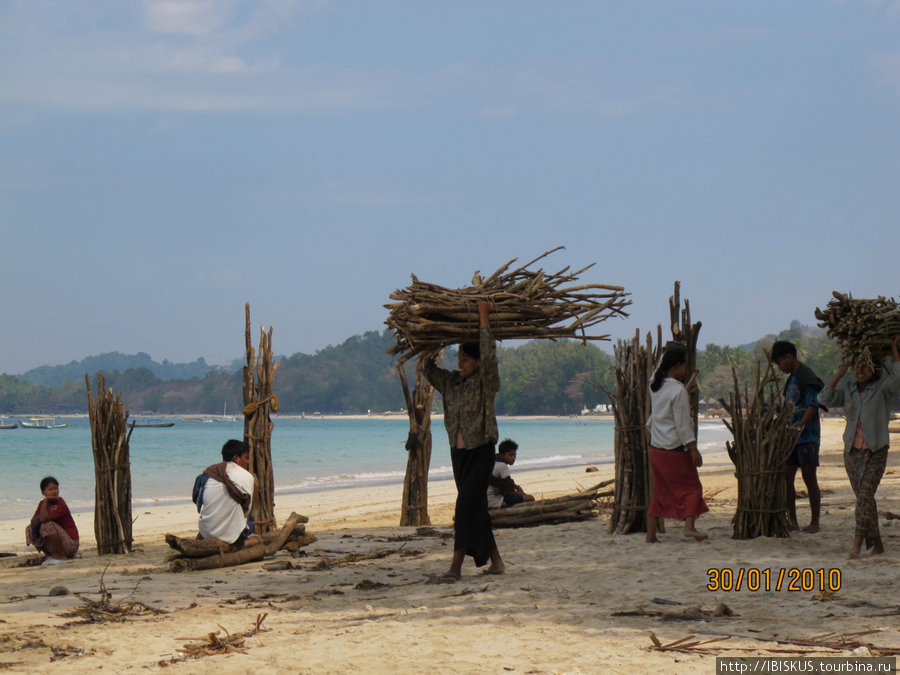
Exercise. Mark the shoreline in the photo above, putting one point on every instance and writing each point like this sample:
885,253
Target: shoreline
574,599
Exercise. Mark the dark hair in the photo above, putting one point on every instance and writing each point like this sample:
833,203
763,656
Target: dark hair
471,349
506,445
781,349
670,359
234,448
47,481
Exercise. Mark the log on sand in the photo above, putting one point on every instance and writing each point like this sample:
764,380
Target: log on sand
200,548
577,506
241,556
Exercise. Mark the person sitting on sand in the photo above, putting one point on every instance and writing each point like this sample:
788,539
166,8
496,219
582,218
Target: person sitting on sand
224,494
802,389
502,490
468,399
866,399
674,458
52,529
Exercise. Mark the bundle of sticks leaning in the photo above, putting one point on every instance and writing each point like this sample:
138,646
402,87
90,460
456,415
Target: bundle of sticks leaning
862,328
528,304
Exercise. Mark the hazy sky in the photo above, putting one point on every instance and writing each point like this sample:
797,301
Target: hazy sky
162,162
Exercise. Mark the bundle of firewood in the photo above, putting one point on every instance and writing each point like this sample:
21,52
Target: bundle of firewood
862,328
527,304
763,438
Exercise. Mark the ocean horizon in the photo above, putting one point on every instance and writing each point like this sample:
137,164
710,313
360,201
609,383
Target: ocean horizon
308,454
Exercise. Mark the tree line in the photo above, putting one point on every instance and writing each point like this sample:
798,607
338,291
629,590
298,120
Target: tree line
538,378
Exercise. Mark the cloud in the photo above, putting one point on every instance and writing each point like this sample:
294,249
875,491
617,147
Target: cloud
188,17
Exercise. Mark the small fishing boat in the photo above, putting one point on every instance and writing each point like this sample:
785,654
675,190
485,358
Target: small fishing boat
41,423
150,422
6,425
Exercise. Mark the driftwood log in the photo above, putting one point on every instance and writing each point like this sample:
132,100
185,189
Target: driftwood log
761,428
241,556
112,469
414,510
577,506
200,548
863,329
528,304
259,401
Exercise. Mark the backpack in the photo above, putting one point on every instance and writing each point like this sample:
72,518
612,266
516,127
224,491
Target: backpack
199,487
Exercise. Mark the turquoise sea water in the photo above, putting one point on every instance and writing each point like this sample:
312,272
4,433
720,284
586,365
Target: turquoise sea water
307,454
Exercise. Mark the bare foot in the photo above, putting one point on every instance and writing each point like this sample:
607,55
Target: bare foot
694,534
495,569
811,529
855,555
654,540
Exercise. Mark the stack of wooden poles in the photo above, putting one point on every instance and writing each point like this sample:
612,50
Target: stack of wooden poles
259,400
763,438
631,408
635,364
863,329
112,469
527,304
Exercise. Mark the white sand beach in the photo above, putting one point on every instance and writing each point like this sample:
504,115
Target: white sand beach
575,599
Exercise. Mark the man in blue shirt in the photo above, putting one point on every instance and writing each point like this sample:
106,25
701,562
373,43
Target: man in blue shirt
802,389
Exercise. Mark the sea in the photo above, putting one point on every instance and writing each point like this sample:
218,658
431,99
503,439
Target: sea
308,455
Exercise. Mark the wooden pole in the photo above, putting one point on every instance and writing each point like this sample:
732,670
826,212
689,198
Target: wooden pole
414,509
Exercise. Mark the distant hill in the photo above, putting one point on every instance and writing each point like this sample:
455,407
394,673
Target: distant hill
53,376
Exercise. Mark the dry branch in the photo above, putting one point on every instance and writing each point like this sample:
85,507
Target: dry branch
527,304
212,644
863,329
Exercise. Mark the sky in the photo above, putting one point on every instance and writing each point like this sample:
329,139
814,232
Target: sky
162,162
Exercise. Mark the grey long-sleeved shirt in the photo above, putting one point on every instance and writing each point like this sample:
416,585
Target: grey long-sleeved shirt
872,407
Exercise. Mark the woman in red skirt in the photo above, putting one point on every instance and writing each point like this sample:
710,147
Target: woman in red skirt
674,458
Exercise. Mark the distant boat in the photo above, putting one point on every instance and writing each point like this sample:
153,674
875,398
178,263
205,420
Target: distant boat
225,417
41,423
150,422
4,425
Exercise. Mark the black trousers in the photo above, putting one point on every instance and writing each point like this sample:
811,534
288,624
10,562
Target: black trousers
473,529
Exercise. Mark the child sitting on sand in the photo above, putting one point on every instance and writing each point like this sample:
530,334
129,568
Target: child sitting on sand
502,489
52,529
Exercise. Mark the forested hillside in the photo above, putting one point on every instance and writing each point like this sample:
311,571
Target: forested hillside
540,377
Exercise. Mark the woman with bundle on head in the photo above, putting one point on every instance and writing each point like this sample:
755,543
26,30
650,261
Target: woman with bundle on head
52,529
866,399
674,458
468,399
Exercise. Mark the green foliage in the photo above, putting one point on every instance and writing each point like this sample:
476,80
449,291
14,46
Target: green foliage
552,378
538,377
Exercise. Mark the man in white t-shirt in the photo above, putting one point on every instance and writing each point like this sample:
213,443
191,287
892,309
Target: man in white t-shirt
502,489
225,497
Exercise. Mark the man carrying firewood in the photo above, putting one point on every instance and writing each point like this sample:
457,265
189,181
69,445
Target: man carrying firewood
802,389
223,494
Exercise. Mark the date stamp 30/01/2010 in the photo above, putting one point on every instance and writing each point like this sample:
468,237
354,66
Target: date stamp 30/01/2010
778,579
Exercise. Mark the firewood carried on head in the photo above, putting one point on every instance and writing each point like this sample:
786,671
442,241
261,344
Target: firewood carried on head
528,304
